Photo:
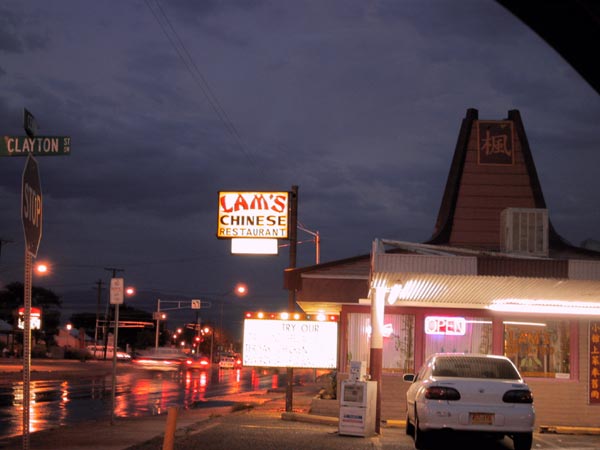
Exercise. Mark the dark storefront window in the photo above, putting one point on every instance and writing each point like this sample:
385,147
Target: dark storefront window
539,348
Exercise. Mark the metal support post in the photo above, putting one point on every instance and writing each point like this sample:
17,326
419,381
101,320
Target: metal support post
289,392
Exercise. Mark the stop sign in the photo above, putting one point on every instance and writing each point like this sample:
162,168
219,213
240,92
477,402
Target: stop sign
31,206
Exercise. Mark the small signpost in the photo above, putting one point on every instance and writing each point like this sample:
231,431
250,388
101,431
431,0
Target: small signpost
116,298
31,215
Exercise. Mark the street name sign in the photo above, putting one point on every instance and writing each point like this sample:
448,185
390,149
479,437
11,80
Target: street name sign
29,123
37,146
31,206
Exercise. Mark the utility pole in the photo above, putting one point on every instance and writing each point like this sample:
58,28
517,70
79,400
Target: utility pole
4,241
99,284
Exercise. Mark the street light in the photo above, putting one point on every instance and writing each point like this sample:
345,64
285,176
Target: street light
158,316
41,268
207,330
240,290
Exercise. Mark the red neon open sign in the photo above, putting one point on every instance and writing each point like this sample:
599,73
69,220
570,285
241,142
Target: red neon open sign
453,326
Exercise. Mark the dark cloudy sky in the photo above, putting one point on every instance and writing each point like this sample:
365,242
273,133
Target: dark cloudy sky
359,103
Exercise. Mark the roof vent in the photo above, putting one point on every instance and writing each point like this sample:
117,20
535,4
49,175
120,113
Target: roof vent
524,231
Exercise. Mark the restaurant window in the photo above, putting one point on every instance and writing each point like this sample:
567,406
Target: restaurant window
539,348
457,334
398,340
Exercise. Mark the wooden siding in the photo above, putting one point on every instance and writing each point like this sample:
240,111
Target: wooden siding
484,191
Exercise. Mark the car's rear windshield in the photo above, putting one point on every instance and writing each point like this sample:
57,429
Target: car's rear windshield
474,367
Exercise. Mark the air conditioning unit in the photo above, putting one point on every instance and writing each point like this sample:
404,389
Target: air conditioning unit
524,231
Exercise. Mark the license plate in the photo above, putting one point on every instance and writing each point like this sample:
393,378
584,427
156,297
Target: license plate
481,418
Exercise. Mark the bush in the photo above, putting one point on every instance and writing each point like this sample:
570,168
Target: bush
329,388
77,353
39,351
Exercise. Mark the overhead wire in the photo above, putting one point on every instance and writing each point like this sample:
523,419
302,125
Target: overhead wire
188,61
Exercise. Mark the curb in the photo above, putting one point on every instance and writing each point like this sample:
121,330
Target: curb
569,430
334,421
310,418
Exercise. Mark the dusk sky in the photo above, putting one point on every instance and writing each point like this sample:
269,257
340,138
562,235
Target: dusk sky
359,103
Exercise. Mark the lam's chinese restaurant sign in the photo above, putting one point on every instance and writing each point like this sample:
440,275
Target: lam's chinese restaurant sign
594,388
256,215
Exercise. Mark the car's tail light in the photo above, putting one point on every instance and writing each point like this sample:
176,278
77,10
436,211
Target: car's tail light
518,396
441,393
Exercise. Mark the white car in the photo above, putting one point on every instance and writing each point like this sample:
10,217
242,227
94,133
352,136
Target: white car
97,351
468,392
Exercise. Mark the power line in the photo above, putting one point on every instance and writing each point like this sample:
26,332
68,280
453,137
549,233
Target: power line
199,78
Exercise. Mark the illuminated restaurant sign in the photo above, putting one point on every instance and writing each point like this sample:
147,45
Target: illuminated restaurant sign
256,215
270,341
449,326
35,319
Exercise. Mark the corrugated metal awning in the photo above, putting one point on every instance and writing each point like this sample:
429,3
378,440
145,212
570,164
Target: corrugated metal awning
473,291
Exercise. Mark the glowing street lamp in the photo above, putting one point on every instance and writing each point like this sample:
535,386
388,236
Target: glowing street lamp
207,330
41,268
239,290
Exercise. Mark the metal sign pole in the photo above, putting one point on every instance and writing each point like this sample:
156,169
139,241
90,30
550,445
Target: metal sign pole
116,298
114,365
289,391
27,348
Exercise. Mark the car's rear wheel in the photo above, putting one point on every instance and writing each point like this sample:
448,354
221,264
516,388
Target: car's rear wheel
522,441
410,429
421,437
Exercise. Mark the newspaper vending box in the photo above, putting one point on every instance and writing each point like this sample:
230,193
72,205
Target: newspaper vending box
357,408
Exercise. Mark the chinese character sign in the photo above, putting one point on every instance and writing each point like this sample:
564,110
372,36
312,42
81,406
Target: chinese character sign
495,142
594,379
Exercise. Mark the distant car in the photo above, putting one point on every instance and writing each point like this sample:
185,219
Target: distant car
230,362
197,362
97,351
468,392
161,359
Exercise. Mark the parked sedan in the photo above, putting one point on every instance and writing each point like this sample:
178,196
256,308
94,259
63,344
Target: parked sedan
467,392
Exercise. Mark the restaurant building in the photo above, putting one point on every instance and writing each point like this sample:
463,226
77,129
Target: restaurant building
495,277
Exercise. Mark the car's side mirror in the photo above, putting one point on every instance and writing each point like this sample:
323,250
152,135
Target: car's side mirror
410,377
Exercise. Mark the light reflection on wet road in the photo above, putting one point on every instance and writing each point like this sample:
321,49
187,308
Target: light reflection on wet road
138,393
